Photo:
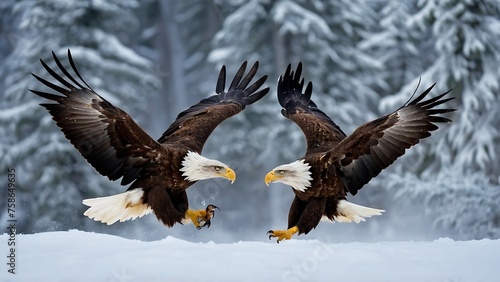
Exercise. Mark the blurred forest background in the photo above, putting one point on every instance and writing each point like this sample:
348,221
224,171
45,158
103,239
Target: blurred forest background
155,58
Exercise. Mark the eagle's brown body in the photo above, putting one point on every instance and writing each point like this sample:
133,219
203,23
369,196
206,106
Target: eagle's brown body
310,206
110,140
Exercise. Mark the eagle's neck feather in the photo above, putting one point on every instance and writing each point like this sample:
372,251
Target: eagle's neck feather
194,167
300,175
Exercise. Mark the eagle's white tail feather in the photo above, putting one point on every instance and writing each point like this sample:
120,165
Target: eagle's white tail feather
120,207
349,212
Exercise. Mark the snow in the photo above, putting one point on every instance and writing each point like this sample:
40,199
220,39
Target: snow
82,256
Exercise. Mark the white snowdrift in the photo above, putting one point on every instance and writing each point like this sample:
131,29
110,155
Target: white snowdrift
83,256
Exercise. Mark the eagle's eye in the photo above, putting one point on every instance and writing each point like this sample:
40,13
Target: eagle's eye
280,172
217,168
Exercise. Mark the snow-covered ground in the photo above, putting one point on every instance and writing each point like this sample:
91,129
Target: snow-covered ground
83,256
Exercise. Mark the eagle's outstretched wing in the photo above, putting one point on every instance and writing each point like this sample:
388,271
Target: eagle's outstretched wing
371,147
320,131
377,144
116,146
194,125
106,136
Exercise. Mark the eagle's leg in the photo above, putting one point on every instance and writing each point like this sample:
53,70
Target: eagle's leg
195,216
201,218
283,234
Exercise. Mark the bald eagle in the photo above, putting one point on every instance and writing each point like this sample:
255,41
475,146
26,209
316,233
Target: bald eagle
336,164
160,171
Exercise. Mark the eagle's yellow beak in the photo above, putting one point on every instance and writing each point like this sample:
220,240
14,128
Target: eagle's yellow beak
229,174
271,176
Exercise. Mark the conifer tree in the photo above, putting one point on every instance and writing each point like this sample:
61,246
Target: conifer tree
454,175
52,177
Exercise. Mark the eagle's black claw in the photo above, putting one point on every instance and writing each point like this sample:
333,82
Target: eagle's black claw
271,234
212,207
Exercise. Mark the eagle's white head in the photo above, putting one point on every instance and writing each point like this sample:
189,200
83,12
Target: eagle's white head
296,174
196,167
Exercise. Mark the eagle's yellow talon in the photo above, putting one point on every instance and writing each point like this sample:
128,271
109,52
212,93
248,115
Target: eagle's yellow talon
282,234
201,218
193,216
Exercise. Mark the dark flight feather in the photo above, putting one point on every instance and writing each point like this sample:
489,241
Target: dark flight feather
320,131
210,112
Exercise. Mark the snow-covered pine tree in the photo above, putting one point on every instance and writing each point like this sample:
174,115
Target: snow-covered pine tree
458,169
398,45
6,26
6,34
182,34
199,22
52,178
